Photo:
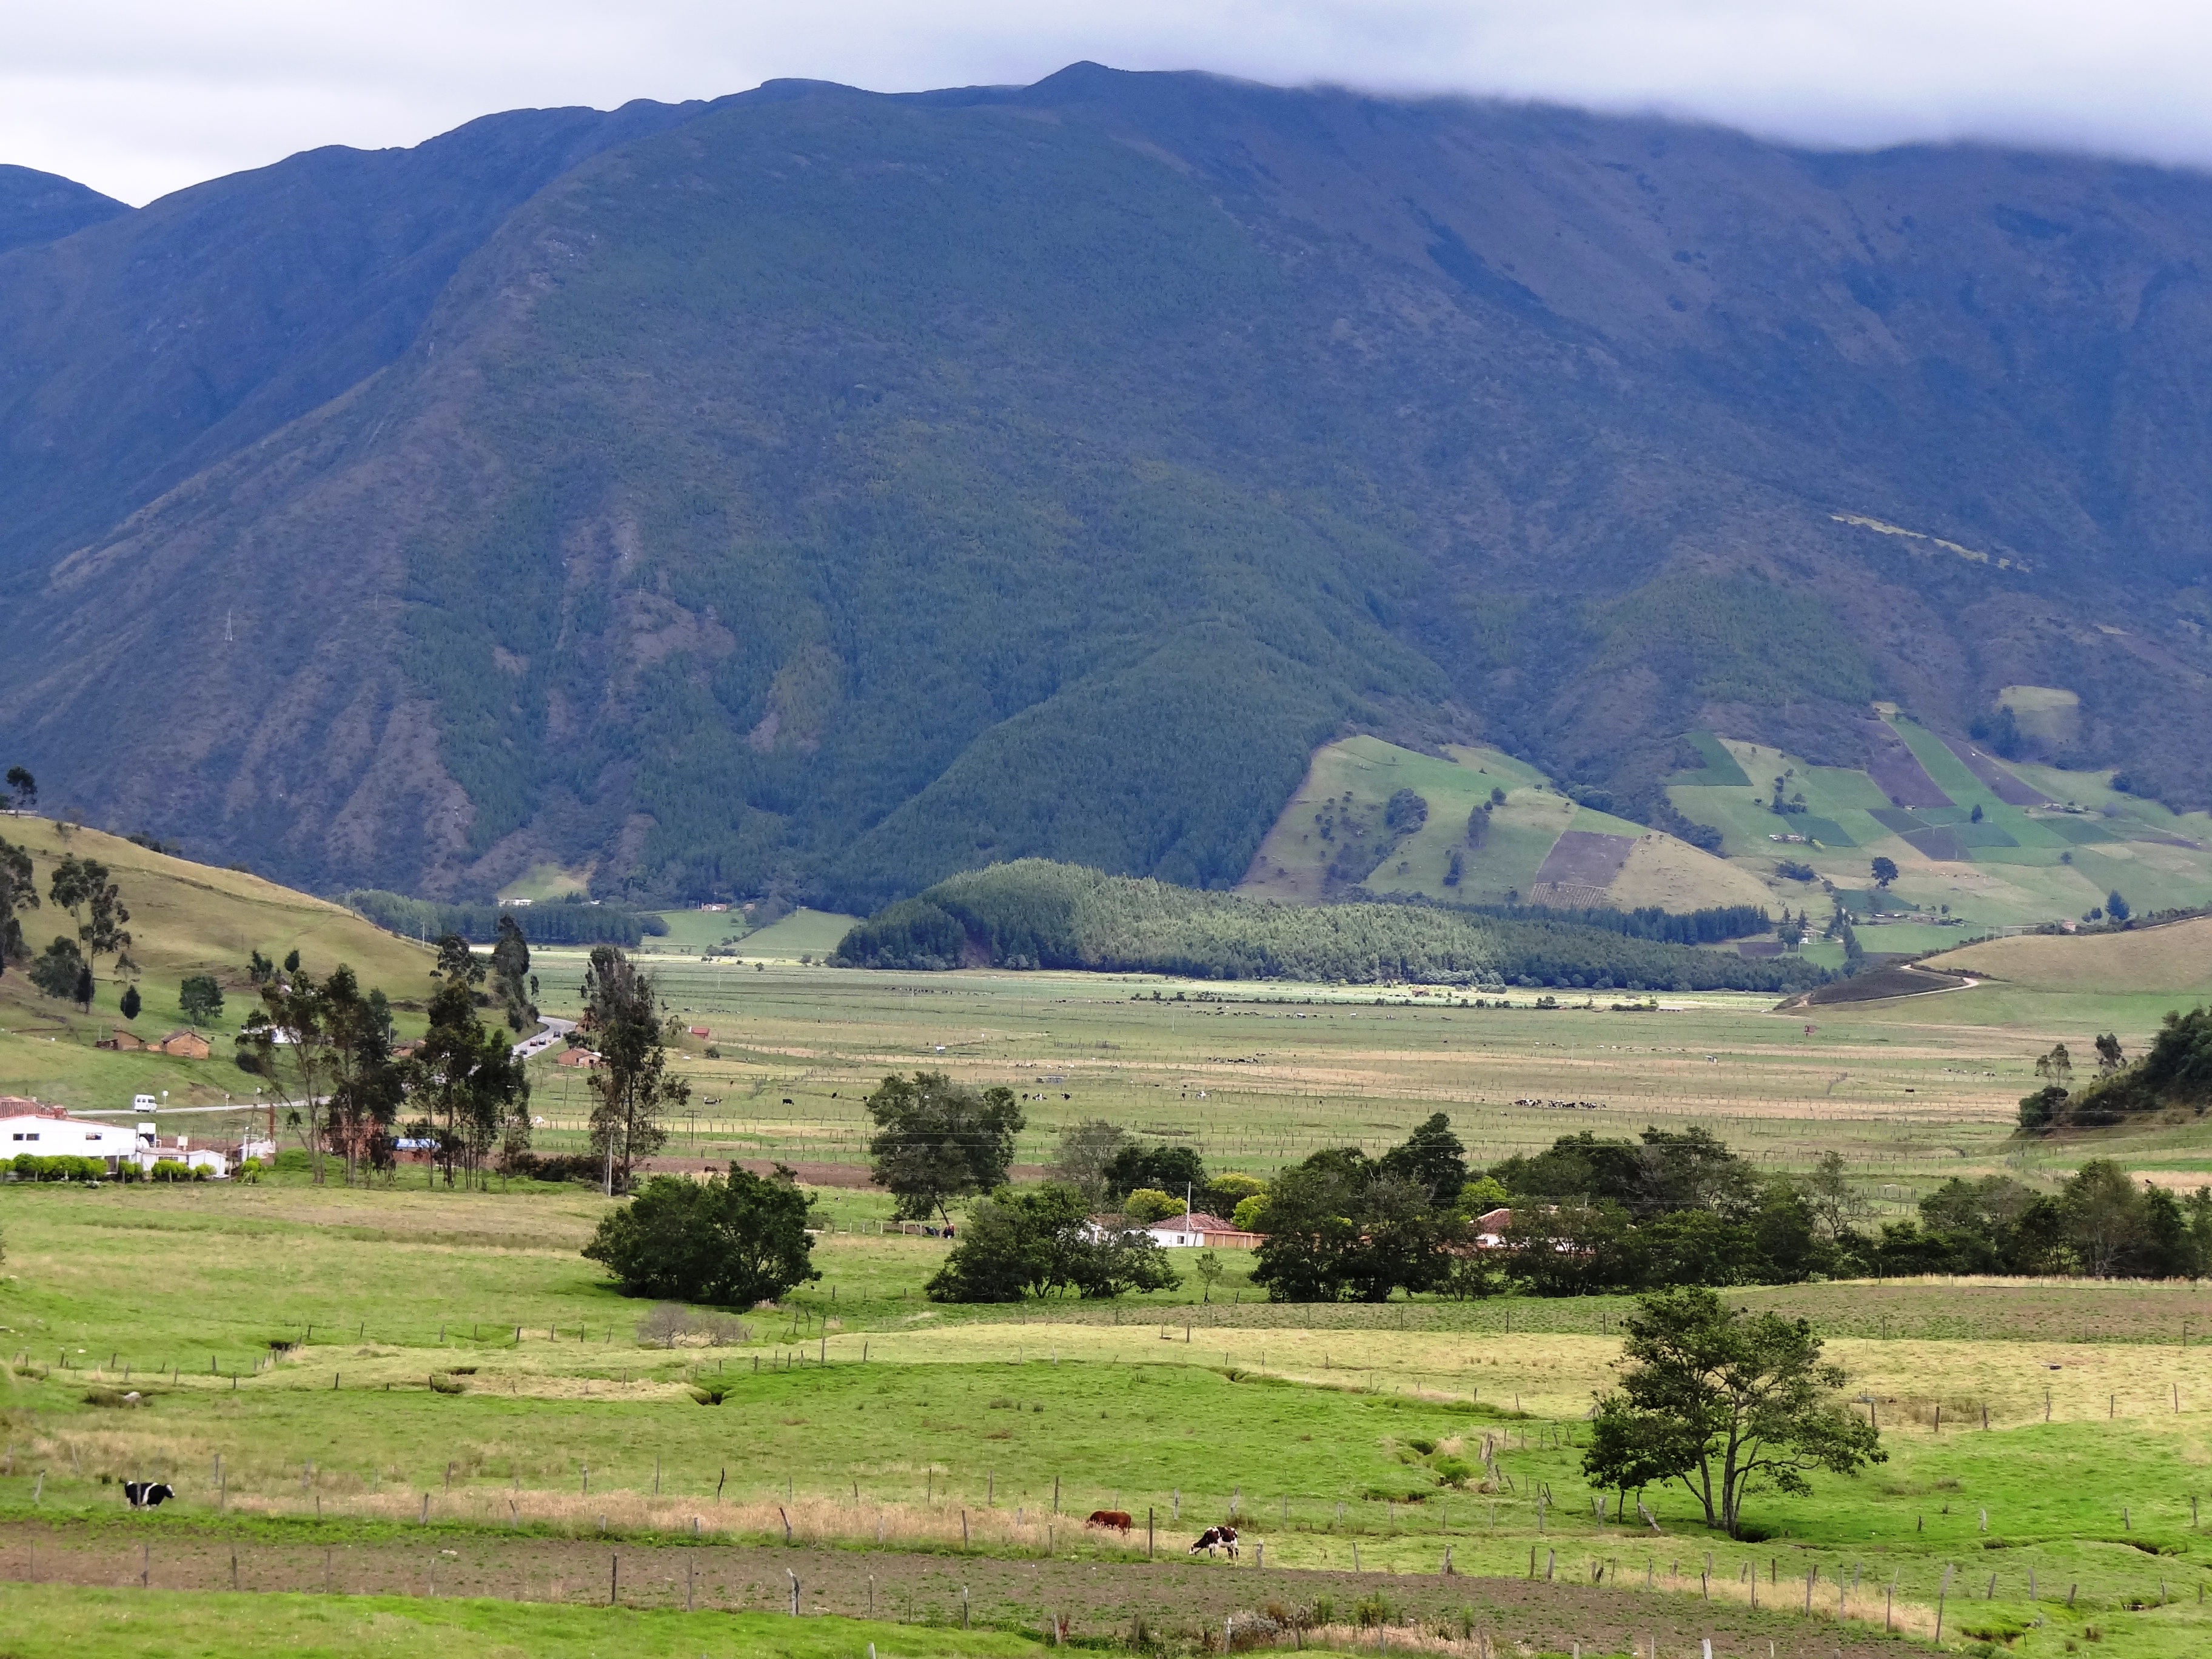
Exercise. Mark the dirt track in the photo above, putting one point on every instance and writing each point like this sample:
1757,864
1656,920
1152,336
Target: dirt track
1099,1599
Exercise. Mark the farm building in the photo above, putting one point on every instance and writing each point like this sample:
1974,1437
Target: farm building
30,1128
1194,1228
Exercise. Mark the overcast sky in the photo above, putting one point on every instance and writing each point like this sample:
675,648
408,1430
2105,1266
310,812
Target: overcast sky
139,97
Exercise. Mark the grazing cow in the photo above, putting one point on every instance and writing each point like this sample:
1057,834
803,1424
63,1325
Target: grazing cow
1215,1540
1120,1520
147,1494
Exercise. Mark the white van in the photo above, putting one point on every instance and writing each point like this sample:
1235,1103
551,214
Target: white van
142,1104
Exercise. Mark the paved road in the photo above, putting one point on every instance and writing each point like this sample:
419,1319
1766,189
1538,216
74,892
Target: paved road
555,1031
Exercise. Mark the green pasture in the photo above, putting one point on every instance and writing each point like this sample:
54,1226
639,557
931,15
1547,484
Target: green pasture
803,933
1324,1430
71,1622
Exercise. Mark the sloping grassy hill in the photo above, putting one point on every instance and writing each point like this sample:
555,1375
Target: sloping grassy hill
186,919
2177,957
1314,850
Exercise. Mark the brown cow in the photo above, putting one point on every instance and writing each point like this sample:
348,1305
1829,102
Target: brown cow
1115,1518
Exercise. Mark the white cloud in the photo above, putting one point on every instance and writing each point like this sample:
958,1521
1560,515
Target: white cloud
137,97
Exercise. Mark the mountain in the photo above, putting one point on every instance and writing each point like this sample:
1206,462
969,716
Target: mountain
41,207
831,492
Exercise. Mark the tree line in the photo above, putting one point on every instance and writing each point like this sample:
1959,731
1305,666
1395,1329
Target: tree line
1036,914
1587,1215
564,922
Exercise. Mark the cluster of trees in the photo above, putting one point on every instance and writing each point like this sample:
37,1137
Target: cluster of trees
573,920
1035,914
2174,1074
67,969
1343,1226
326,1045
2102,1224
1679,1208
1116,1171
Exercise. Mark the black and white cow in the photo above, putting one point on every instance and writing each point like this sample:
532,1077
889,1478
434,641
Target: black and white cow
1215,1540
147,1494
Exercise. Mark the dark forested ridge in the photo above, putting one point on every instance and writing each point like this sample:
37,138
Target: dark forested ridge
833,492
1035,914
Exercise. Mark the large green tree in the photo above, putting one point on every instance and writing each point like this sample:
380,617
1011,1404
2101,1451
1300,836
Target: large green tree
732,1240
937,1140
1339,1227
200,998
1432,1156
511,984
365,1085
1722,1399
57,969
17,893
468,1084
84,889
632,1087
291,1041
1014,1244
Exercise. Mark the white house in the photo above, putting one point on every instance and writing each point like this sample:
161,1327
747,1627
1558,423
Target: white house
1192,1230
51,1132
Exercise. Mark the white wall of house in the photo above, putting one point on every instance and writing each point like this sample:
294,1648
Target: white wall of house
63,1137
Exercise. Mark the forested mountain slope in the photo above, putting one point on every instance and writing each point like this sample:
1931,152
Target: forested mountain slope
838,491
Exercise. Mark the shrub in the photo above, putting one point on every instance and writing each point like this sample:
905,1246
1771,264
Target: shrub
558,1166
1149,1204
168,1169
293,1160
1251,1213
734,1241
1455,1471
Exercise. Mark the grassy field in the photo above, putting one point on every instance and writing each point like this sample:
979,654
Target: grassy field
286,1339
2177,957
866,1421
1358,774
56,1621
1911,1092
